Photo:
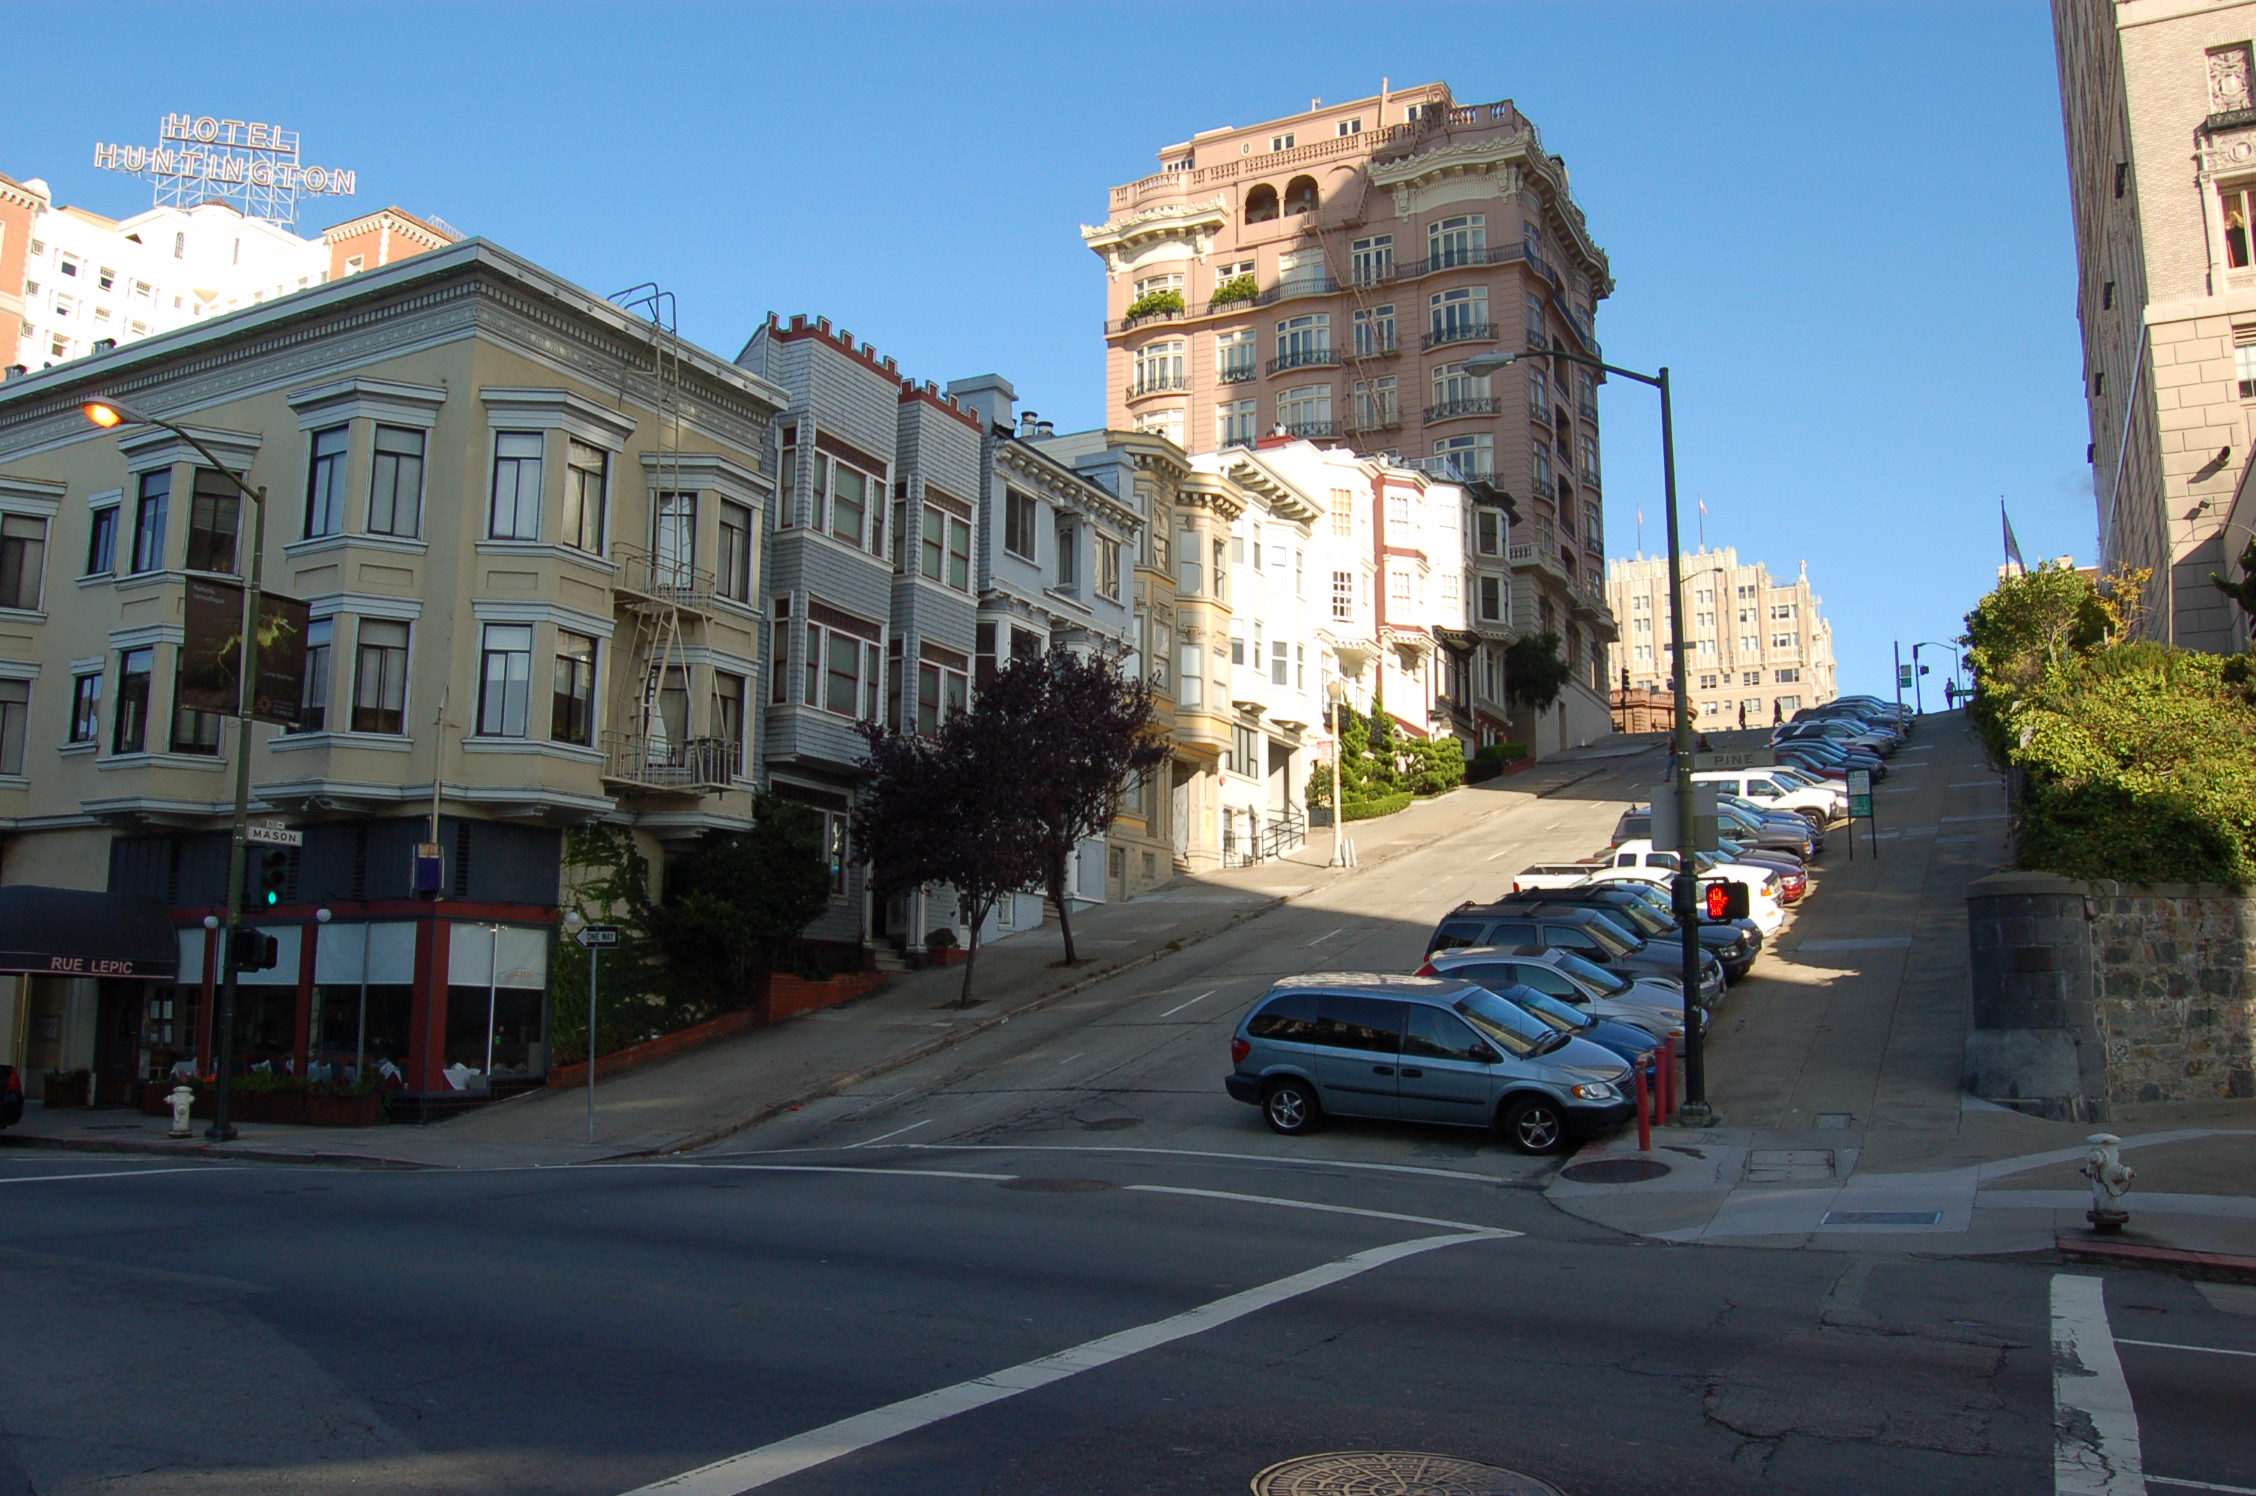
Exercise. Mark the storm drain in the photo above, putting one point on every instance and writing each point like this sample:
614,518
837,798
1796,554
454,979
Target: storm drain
1042,1186
1614,1171
1390,1472
1883,1218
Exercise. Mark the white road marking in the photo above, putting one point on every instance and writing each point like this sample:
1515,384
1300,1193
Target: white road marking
1978,784
1997,816
2164,1345
1253,1158
2200,1485
896,1132
2095,1433
839,1169
1179,1007
772,1462
124,1173
1379,1215
1069,1059
1328,934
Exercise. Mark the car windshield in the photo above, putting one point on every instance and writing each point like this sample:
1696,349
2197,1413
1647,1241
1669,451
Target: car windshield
1518,1031
1561,1016
1592,975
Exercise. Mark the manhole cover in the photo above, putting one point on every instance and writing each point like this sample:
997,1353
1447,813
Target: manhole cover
1112,1124
1614,1171
1058,1186
1389,1472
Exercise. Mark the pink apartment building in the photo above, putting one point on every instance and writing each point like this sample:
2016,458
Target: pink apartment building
1325,276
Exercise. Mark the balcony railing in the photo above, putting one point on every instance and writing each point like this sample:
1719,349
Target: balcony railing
1235,371
1450,410
1372,422
1158,384
1311,429
688,766
1450,468
651,580
1325,357
1588,408
1461,332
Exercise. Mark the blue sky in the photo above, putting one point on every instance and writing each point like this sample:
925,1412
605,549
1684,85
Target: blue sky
1845,228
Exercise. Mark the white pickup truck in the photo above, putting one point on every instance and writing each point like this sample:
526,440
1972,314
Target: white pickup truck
1819,803
1554,875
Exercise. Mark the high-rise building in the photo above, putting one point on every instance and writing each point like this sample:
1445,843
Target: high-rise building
72,281
2161,126
1326,275
1756,650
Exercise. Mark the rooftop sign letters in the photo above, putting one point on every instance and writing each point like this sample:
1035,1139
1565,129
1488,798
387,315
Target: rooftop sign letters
203,156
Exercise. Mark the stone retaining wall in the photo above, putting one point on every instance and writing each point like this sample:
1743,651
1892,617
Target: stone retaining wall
2090,996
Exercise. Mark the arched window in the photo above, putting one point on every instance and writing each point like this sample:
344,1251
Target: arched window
1300,195
1261,204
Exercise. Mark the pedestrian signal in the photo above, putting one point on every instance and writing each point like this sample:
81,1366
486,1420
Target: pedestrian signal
1726,900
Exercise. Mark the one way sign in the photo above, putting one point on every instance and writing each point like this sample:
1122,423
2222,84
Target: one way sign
595,937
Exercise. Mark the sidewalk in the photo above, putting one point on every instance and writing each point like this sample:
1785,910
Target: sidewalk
1835,1070
707,1094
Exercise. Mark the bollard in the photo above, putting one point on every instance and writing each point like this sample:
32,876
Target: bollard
1667,1064
1644,1117
2110,1180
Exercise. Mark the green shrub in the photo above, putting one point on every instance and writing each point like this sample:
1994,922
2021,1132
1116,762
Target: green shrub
1153,303
1236,288
1320,786
1385,805
1437,765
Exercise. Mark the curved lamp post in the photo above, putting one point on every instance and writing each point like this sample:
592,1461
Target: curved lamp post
109,414
1695,1109
1957,664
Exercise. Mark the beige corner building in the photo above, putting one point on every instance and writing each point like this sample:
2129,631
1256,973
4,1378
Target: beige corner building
1325,277
2161,131
1756,648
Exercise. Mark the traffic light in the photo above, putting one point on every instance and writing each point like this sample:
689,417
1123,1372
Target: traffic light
273,874
255,950
1726,900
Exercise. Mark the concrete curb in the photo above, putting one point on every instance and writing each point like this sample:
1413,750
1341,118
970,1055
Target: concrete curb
2212,1267
212,1150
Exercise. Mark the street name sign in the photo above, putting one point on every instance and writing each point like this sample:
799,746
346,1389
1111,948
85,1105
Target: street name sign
273,834
597,937
1746,758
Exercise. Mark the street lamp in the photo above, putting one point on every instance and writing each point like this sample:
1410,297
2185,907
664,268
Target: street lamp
1916,671
109,414
1695,1110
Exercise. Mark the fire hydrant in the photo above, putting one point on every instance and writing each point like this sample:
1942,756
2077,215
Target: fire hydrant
183,1100
2110,1180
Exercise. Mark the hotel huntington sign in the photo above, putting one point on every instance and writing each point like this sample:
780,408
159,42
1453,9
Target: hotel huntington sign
203,157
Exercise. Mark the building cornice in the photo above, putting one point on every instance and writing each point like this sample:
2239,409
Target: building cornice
1517,165
1193,224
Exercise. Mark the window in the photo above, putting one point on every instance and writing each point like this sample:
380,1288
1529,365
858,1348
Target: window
1458,316
943,691
729,692
214,512
1398,509
2244,361
15,708
1281,142
1782,610
1237,422
1457,393
1343,512
1108,567
842,673
150,522
1188,579
193,731
1786,677
1221,570
23,558
129,730
571,711
1237,642
1371,260
505,681
1590,459
946,551
1343,595
1233,357
1018,525
1068,537
1374,331
313,705
1785,641
1398,586
395,489
325,483
86,707
733,575
1469,456
380,677
1492,599
1245,750
1374,403
1300,195
1224,274
1159,366
587,476
1462,240
673,540
850,508
515,511
1306,411
1535,323
2239,204
1488,532
1153,285
1191,687
1280,663
1304,340
1351,126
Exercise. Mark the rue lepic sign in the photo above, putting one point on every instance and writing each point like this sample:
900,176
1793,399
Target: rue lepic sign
211,652
1860,794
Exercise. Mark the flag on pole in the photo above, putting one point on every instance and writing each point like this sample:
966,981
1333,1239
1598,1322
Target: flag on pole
2012,546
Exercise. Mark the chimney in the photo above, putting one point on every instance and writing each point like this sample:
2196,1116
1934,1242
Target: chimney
989,396
1045,428
1027,423
17,371
104,345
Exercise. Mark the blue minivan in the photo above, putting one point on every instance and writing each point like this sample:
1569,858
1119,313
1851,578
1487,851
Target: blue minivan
1421,1049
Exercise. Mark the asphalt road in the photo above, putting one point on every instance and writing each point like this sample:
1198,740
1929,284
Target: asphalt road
1057,1260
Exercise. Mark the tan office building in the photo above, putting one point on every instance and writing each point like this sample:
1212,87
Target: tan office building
1756,649
1325,276
2161,126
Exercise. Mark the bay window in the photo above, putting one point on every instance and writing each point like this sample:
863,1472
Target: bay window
505,680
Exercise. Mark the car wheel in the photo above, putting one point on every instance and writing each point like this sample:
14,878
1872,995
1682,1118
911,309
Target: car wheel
1290,1107
1533,1124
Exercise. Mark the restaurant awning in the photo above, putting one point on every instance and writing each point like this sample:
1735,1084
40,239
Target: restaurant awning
73,932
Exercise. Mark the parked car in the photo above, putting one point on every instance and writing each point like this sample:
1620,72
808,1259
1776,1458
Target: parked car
1627,1040
1788,824
1834,730
1656,1008
1824,750
1661,899
1553,875
1638,859
1636,824
11,1096
1767,787
1630,907
1423,1050
1585,932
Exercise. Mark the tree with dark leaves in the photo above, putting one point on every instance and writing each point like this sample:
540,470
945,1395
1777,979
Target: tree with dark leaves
941,808
737,898
1535,671
1084,734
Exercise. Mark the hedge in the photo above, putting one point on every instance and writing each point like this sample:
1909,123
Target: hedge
1385,805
